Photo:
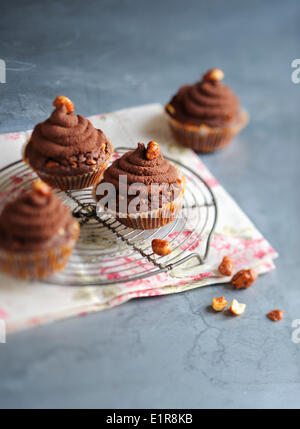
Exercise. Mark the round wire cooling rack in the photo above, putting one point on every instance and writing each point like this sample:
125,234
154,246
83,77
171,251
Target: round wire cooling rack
108,252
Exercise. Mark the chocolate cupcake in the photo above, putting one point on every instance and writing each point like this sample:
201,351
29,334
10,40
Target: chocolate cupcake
148,187
207,115
37,234
66,151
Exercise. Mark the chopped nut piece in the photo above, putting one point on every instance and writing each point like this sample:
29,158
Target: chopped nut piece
61,231
52,164
275,315
203,129
244,279
75,227
170,109
152,151
214,74
237,308
91,161
74,165
161,247
219,304
226,266
41,187
61,99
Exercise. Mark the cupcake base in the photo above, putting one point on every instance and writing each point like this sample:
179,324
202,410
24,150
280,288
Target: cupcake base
66,183
205,139
32,265
151,219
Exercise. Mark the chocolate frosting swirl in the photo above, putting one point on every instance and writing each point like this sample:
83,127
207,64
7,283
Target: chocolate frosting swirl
66,138
139,170
208,102
32,221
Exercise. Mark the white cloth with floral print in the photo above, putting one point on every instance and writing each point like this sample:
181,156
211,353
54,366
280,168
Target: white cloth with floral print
24,304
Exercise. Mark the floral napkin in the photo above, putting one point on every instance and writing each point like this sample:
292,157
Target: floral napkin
24,304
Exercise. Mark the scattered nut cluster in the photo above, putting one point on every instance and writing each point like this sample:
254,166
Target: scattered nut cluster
236,308
62,100
161,247
241,280
74,161
152,151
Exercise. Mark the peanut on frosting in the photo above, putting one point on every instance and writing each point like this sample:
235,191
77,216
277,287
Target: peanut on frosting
152,151
41,188
214,74
62,100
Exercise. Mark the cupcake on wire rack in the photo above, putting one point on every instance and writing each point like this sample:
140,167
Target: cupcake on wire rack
207,115
37,234
66,150
149,189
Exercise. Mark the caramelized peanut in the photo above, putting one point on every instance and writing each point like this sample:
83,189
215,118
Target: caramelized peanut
161,247
244,279
226,266
214,74
41,187
152,151
219,304
275,315
237,308
61,99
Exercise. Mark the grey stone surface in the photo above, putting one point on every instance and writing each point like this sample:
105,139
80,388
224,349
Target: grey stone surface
168,351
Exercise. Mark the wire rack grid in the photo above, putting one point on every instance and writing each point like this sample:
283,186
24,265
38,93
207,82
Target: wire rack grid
108,252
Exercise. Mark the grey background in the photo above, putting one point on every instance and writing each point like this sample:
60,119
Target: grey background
169,351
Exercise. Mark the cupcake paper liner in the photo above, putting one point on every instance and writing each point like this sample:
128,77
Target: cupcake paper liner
206,139
66,183
38,264
151,219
